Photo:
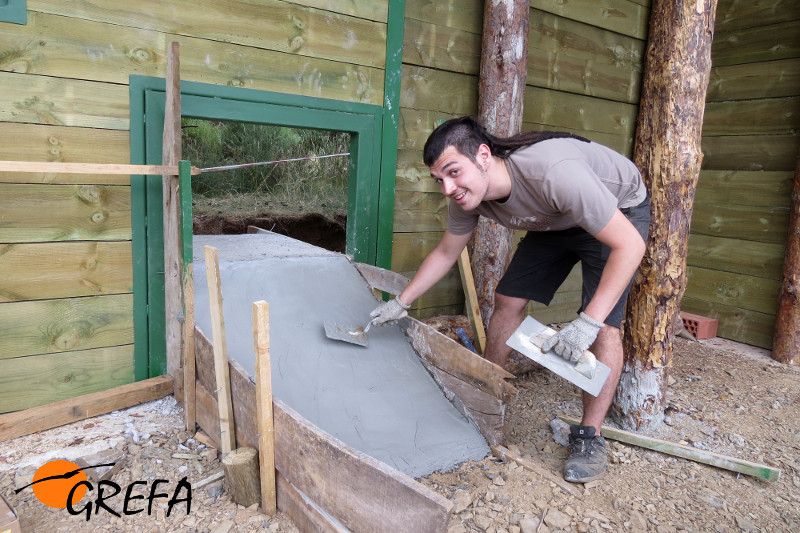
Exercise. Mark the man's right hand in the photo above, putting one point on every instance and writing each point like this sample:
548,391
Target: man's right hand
390,311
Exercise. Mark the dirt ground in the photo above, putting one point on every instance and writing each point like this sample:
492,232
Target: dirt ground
724,397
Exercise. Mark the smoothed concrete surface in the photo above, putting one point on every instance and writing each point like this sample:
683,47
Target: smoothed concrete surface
379,399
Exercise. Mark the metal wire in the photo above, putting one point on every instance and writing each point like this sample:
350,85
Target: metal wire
244,165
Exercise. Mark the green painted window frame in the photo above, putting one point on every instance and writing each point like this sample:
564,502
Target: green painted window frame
370,196
14,11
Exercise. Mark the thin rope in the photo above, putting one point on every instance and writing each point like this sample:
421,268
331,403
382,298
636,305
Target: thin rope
244,165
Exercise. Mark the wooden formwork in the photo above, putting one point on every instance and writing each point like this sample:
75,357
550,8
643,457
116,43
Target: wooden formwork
325,485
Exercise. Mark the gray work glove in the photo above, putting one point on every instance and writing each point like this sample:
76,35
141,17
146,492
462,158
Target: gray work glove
389,311
575,338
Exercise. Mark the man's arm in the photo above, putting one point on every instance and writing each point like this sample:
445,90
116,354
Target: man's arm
627,250
435,266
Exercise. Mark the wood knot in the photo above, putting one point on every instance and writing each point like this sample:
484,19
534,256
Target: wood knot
296,42
89,194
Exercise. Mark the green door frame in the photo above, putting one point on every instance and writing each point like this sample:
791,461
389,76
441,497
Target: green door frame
369,227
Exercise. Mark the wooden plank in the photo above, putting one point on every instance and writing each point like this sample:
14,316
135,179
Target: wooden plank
289,28
762,43
223,390
750,152
736,290
305,515
74,213
734,15
471,298
741,325
762,259
357,490
40,379
620,16
66,145
412,174
484,410
766,79
266,436
440,47
173,260
382,279
365,9
437,90
420,212
66,325
580,58
82,407
111,53
753,188
770,116
687,452
88,168
505,454
448,355
763,224
64,270
187,294
33,99
465,15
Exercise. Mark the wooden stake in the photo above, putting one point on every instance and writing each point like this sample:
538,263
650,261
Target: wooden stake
173,264
687,452
504,453
227,437
241,475
266,442
473,308
187,347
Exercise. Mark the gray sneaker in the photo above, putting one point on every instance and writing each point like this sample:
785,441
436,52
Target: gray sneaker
587,461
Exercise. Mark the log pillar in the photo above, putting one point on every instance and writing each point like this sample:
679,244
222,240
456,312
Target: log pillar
501,90
668,153
787,322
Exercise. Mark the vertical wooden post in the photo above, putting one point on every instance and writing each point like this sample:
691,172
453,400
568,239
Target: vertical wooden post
187,346
227,437
787,321
668,153
173,269
266,441
501,92
473,309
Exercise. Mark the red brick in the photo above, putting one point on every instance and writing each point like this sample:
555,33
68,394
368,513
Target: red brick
701,327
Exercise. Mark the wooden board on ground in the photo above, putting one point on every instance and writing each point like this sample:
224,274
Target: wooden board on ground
352,488
56,414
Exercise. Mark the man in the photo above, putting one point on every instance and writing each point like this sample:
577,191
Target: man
579,201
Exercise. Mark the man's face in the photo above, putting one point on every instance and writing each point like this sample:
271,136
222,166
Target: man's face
460,178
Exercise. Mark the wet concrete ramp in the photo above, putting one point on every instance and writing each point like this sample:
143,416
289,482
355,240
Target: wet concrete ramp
379,400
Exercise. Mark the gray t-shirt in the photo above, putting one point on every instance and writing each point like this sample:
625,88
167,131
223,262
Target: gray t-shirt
559,184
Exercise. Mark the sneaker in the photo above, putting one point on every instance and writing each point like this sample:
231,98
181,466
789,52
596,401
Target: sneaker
587,461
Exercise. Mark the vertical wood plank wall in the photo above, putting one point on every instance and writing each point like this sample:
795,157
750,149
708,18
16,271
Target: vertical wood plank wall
752,118
584,71
66,306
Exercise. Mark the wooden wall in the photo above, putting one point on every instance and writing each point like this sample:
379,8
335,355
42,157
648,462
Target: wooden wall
584,71
66,311
750,146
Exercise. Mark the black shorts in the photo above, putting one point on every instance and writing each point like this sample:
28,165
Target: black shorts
544,259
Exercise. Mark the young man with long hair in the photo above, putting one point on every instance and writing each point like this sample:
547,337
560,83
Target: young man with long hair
578,201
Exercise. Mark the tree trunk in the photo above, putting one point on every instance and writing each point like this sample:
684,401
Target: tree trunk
501,89
787,322
668,153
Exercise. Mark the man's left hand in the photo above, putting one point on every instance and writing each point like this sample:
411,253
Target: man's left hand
575,338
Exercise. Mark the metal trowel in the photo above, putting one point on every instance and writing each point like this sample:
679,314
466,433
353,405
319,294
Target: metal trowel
588,373
351,334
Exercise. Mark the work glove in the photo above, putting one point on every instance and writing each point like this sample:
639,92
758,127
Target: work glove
575,338
389,311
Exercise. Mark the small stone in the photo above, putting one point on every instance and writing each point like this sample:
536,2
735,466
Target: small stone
556,519
483,522
223,527
499,481
529,525
560,431
461,500
745,524
457,528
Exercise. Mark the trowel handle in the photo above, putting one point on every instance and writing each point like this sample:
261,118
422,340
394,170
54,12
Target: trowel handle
369,324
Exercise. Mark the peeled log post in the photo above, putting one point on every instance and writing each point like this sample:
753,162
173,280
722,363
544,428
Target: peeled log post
501,90
242,475
668,153
787,321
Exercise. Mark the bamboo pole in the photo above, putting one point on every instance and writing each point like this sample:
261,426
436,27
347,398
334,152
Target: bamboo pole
787,321
227,437
266,442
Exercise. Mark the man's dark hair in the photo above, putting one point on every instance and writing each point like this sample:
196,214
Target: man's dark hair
465,134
